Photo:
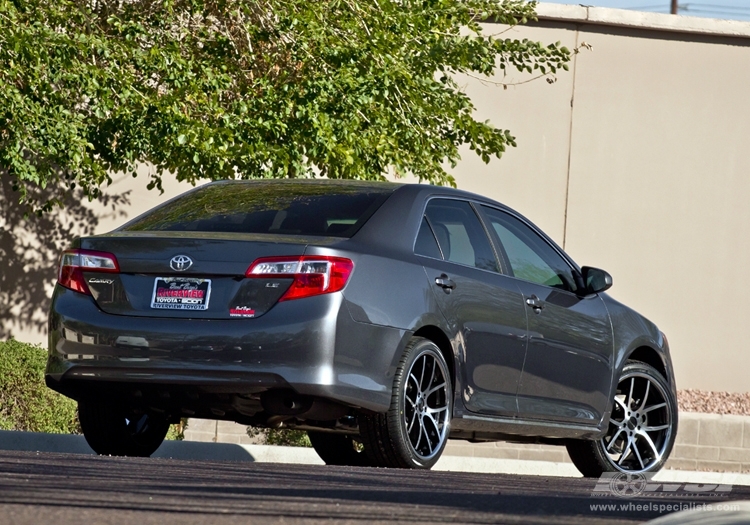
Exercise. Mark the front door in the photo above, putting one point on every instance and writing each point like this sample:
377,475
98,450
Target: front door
568,369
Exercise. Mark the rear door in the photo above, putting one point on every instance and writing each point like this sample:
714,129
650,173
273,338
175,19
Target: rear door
483,307
568,369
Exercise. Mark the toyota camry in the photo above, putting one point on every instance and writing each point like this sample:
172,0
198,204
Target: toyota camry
383,319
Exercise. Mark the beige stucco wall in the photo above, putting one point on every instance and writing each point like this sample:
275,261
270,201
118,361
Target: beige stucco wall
646,144
659,191
638,161
140,200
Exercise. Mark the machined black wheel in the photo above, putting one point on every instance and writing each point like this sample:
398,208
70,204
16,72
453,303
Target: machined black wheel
114,431
414,431
642,427
338,449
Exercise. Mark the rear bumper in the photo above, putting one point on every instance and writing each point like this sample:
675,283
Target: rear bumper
311,346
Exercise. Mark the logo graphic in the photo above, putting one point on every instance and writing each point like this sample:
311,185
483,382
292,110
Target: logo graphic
101,281
180,263
241,311
632,485
628,485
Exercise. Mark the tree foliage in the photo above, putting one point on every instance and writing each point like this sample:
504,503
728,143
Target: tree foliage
249,88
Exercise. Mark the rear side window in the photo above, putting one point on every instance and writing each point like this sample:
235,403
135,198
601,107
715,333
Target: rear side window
426,244
292,208
459,233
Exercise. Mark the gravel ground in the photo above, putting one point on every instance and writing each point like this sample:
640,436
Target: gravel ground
710,402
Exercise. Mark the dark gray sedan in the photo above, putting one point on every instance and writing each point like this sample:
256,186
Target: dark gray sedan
384,319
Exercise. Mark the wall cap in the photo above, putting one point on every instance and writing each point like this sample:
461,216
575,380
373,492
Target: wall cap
607,16
700,416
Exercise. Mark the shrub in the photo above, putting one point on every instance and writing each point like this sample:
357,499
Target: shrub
25,401
27,404
177,431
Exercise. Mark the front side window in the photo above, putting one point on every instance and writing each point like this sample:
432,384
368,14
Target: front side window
459,233
531,257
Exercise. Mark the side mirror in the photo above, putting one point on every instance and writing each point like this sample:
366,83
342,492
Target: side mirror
595,280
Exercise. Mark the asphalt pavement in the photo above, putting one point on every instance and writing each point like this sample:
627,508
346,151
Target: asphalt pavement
190,450
39,487
57,479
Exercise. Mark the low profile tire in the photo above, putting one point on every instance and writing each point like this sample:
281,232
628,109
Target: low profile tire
338,449
414,431
113,431
642,427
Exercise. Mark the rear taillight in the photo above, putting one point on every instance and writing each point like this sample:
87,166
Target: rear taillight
313,275
74,262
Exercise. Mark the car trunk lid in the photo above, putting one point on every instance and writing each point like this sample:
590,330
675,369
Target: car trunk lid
190,274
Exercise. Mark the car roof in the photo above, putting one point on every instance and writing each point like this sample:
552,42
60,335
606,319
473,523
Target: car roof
333,183
394,225
413,189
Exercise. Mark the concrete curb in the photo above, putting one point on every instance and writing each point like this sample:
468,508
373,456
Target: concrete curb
190,450
705,442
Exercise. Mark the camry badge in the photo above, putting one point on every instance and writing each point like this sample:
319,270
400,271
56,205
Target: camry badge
180,263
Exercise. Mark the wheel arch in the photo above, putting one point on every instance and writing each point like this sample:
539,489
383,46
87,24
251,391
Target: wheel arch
650,356
437,336
645,350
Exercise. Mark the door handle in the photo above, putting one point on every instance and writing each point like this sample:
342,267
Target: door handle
536,303
445,282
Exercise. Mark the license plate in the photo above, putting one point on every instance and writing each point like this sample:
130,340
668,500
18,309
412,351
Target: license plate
179,293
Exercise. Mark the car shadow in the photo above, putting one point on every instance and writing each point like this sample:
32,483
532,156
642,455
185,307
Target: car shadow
72,444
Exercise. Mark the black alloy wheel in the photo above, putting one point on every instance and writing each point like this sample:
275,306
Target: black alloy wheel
414,431
642,427
115,431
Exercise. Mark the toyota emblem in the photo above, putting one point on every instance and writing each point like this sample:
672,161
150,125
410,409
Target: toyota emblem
180,263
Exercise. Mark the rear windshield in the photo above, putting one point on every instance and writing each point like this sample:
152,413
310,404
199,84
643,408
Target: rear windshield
293,208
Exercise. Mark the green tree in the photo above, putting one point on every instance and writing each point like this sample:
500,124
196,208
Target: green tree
250,88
